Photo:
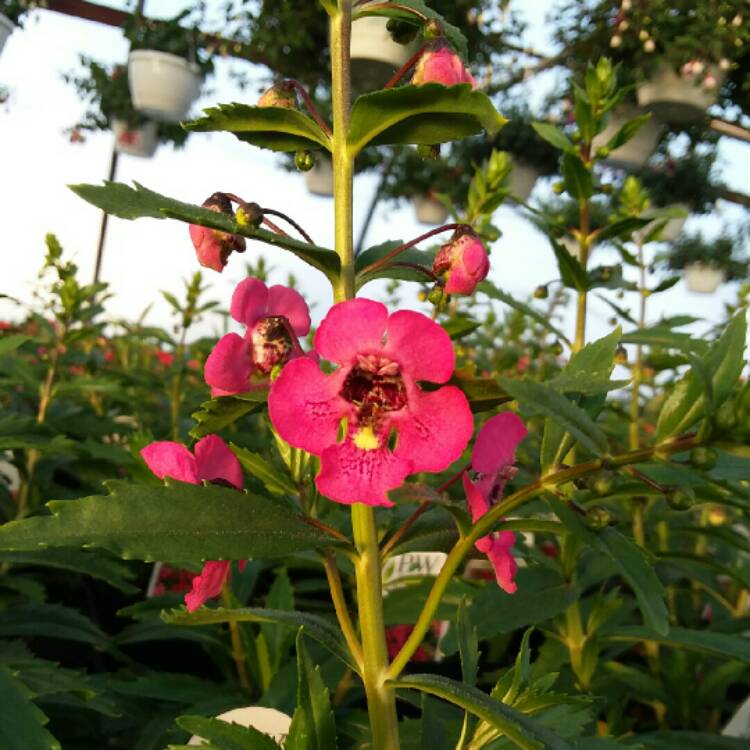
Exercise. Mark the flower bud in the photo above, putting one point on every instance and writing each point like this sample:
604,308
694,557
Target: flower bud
541,292
681,499
601,483
598,517
463,260
213,246
281,95
433,29
249,215
726,416
621,355
703,458
303,160
556,348
436,295
440,64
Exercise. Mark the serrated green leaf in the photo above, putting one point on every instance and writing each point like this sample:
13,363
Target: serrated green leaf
481,393
493,292
316,627
629,559
541,399
553,135
314,701
662,336
426,114
257,466
134,203
275,128
225,736
22,726
96,565
704,641
522,731
724,361
221,411
184,522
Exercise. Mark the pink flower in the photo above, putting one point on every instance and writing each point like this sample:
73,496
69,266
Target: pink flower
274,318
380,359
492,463
212,246
212,461
464,261
440,64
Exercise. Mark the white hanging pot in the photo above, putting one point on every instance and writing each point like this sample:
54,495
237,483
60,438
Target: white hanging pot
269,721
162,85
136,141
6,29
636,152
676,98
523,177
319,179
429,211
702,278
672,228
375,56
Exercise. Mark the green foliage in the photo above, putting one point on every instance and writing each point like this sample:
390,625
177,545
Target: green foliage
723,252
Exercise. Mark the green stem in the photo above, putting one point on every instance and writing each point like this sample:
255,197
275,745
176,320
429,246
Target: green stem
584,242
341,608
381,699
489,521
238,650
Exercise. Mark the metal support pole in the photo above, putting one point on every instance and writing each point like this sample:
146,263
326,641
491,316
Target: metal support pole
105,218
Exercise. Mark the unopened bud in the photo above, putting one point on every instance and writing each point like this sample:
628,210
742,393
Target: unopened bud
601,483
598,518
433,29
726,416
558,187
281,94
621,355
249,215
681,499
303,160
703,458
429,151
602,152
556,348
436,295
541,292
463,260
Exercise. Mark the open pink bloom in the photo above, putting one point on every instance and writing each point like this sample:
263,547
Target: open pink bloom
440,64
212,461
212,246
464,261
492,463
380,358
274,317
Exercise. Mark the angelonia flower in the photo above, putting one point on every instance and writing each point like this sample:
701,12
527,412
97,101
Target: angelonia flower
463,260
440,64
212,461
274,317
212,246
369,421
492,465
281,94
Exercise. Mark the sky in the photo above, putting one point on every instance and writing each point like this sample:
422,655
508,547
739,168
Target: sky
37,162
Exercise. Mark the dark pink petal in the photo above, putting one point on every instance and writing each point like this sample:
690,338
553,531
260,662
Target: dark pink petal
351,475
208,584
502,560
249,301
420,346
496,443
475,499
441,65
435,428
209,247
305,407
350,328
286,302
173,460
229,365
215,460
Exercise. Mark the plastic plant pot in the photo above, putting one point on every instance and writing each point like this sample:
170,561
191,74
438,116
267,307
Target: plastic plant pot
702,278
319,179
269,721
135,142
636,152
523,177
6,29
429,211
162,85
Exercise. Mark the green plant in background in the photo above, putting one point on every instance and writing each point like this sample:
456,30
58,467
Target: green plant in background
106,93
16,10
725,253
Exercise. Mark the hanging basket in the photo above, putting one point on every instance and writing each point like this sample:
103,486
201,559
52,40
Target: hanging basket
135,142
523,177
162,85
636,152
703,279
429,211
375,56
6,29
319,179
676,98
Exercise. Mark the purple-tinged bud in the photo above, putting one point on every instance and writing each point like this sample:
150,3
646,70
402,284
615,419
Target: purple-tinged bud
281,94
463,260
213,246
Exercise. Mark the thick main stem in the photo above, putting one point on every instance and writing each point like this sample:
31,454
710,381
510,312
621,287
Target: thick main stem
381,699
